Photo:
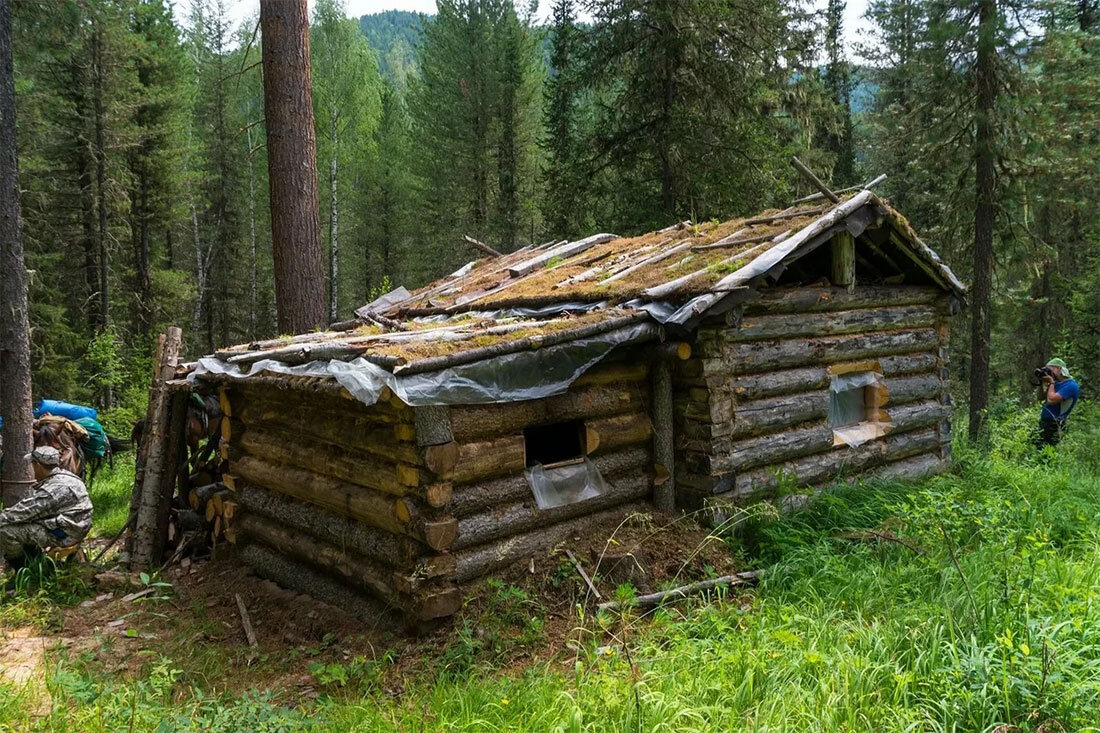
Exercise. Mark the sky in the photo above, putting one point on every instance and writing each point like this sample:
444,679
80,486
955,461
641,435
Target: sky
241,9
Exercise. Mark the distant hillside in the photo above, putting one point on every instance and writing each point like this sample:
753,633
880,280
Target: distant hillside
393,34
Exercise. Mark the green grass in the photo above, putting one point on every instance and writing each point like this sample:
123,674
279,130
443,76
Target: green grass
110,494
991,621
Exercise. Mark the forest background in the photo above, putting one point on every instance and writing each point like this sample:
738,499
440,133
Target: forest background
144,178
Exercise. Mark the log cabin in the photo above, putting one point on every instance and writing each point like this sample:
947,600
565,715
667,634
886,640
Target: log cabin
448,432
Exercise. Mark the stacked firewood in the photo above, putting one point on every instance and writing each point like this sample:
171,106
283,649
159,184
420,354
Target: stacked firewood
213,507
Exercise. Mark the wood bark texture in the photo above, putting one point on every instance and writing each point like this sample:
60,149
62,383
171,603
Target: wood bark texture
15,355
292,166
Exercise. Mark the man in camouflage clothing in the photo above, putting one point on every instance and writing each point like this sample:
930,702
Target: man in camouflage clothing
57,512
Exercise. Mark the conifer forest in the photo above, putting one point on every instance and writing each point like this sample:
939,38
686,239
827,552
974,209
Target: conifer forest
144,180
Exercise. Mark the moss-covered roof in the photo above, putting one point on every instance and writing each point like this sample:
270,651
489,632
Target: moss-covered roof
575,285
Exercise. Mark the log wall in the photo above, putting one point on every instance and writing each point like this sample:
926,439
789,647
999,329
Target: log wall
403,504
752,402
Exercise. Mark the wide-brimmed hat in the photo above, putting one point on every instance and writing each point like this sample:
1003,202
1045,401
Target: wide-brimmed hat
1061,364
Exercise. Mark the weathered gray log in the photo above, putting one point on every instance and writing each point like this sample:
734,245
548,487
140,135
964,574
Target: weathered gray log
758,356
516,519
298,576
796,325
664,493
397,551
759,451
659,257
483,559
587,400
305,353
840,461
350,500
530,343
789,381
814,180
563,251
910,469
811,299
784,215
349,567
433,424
650,600
816,196
767,415
480,497
728,242
159,463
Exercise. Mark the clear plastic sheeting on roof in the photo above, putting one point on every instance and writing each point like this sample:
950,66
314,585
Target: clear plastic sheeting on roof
523,375
567,484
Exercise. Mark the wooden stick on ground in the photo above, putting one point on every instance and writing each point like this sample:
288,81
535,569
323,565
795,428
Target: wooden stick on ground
112,543
809,176
676,594
583,574
246,621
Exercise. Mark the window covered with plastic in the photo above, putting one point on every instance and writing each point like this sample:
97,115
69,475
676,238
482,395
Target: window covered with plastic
855,407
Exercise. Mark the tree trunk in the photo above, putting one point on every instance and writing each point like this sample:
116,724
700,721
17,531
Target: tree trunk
15,357
333,230
253,278
292,166
981,292
99,112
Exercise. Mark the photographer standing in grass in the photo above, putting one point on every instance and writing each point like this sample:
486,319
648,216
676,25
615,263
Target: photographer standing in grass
1060,392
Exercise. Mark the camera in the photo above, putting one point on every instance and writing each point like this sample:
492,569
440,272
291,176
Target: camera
1043,371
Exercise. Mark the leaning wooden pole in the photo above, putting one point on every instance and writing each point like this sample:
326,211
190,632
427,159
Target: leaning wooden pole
157,452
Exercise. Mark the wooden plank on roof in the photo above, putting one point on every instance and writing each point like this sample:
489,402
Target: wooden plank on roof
562,251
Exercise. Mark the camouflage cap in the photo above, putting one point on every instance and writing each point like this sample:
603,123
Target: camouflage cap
45,455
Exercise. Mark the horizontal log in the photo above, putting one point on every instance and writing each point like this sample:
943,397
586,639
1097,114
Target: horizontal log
794,325
651,600
473,498
840,461
584,401
344,564
618,431
789,381
484,559
346,431
350,500
399,552
521,517
740,455
618,373
810,299
760,356
487,459
298,451
301,577
388,410
754,417
917,467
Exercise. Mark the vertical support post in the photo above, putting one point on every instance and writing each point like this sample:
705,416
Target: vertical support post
844,260
156,452
664,491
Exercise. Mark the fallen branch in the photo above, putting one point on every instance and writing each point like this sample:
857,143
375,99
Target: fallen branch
867,535
583,574
246,622
112,543
809,176
676,594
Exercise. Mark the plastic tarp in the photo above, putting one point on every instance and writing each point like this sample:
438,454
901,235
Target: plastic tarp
523,375
568,484
855,418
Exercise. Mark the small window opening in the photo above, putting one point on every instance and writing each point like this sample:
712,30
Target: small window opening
552,445
855,408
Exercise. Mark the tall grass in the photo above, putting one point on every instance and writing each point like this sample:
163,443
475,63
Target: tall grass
986,617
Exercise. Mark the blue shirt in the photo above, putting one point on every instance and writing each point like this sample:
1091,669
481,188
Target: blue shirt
1070,392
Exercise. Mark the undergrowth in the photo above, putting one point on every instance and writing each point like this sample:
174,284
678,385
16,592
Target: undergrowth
964,603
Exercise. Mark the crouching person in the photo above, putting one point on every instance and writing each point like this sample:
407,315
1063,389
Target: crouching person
56,513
